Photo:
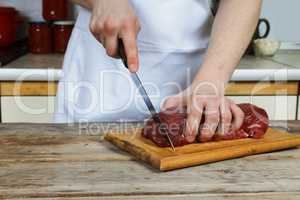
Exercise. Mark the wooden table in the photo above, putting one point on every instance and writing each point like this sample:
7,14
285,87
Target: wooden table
73,162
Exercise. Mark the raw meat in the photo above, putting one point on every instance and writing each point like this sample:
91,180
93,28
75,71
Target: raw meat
175,124
255,125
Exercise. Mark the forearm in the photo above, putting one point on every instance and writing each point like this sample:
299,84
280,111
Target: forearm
84,3
232,31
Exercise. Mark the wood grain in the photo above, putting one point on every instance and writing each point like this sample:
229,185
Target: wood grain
165,159
29,88
262,88
109,178
231,196
40,88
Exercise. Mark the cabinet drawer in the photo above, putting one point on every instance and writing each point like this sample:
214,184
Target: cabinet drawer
278,107
27,109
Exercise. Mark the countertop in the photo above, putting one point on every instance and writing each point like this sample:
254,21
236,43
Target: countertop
51,161
284,66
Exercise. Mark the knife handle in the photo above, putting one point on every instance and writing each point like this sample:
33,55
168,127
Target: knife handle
122,53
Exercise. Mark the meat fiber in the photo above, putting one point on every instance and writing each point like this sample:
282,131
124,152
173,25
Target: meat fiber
255,125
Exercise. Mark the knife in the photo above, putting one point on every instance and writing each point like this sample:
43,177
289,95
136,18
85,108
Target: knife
137,81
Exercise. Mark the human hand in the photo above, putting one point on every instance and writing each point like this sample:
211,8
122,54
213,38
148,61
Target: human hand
114,19
207,100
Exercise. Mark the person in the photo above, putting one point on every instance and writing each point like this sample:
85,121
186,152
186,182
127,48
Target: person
183,54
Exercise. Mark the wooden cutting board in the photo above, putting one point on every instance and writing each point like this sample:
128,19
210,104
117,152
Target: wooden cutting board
165,159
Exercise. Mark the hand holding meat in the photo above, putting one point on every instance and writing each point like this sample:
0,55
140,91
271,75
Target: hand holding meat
254,125
205,101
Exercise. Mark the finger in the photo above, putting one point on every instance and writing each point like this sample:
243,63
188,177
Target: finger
238,116
176,101
111,46
212,118
138,26
110,27
109,36
225,119
96,28
130,45
193,121
101,39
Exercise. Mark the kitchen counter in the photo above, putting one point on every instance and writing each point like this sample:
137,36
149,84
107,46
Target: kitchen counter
288,57
72,161
37,61
284,66
33,67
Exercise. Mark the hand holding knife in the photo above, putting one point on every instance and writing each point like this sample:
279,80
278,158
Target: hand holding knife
143,92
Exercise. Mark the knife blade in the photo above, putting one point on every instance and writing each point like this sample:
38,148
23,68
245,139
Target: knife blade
137,81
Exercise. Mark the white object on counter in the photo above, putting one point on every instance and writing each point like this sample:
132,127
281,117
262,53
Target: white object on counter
266,47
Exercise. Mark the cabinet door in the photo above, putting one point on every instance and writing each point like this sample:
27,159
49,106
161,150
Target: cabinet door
298,117
41,109
27,109
278,107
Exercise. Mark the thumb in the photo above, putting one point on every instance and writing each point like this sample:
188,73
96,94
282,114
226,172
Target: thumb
176,101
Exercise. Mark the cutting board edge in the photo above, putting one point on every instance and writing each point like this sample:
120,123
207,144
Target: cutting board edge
159,161
243,151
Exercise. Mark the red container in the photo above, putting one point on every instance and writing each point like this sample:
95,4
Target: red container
55,10
8,26
62,34
40,38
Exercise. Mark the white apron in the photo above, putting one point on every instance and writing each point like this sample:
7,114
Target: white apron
95,88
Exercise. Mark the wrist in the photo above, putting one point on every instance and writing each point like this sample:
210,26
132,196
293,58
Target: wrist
209,87
211,81
218,74
92,3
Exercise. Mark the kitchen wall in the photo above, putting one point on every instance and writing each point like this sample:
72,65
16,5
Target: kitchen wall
29,8
283,15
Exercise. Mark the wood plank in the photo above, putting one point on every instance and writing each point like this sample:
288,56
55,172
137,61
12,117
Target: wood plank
231,196
40,88
125,178
73,162
27,131
262,88
74,142
36,130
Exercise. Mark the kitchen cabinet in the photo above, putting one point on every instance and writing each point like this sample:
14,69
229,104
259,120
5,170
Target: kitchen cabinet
298,113
28,109
40,109
33,101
